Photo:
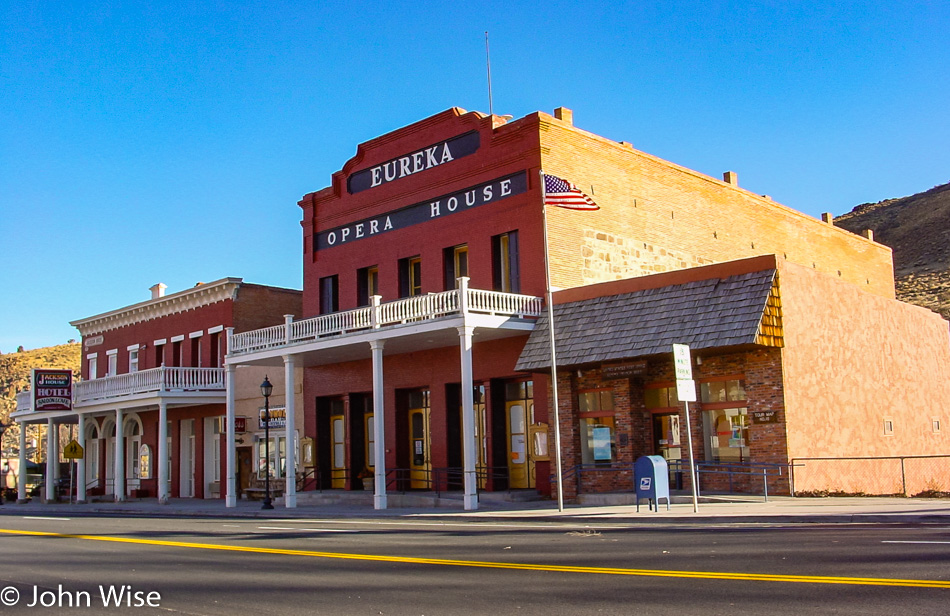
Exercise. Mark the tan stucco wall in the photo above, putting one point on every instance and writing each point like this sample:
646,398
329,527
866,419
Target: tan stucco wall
248,399
851,360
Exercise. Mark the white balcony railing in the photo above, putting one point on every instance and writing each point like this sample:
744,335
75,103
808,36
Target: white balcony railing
24,400
149,381
381,315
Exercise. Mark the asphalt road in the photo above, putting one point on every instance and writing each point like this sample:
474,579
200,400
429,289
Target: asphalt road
241,566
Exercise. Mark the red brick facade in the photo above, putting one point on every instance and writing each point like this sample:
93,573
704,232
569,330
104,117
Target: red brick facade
658,224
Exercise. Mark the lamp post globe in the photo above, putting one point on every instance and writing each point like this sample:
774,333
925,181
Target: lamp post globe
266,390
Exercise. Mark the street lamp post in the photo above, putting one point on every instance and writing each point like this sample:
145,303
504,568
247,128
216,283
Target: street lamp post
6,465
266,390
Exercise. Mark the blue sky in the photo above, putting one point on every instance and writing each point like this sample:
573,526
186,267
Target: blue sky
170,142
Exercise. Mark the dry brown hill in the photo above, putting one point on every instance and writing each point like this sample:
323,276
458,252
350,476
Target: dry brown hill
917,228
15,374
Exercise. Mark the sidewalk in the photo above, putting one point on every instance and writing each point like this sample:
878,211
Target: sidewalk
735,510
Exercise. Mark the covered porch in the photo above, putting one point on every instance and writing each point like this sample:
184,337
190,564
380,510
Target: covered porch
434,321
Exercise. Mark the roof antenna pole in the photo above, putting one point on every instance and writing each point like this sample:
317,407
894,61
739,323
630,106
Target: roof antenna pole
488,63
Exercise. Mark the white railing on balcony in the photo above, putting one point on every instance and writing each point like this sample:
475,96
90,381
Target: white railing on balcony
381,315
148,381
24,400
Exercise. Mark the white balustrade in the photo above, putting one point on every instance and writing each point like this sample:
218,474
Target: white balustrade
148,381
407,310
24,400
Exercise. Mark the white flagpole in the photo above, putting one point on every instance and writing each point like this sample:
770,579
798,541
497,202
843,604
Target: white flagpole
557,422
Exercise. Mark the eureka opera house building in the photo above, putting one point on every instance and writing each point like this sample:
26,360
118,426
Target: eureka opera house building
423,349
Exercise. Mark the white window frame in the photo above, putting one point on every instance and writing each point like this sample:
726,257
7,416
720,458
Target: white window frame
133,350
92,365
112,357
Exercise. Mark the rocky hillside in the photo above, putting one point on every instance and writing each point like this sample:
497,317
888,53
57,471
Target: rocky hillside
15,374
917,228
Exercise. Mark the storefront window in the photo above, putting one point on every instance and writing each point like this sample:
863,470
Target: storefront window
278,448
598,442
727,435
598,431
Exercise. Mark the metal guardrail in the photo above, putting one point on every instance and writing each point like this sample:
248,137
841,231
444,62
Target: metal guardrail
679,468
868,474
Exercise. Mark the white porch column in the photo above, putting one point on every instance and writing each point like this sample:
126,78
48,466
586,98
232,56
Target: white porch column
290,491
162,459
119,487
81,462
379,425
51,458
230,494
21,470
470,498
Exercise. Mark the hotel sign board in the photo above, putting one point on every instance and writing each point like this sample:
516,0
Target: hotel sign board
278,418
52,390
414,162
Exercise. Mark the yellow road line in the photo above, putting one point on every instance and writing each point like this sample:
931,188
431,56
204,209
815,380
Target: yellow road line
709,575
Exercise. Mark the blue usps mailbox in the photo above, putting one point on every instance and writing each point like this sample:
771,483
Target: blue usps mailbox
652,478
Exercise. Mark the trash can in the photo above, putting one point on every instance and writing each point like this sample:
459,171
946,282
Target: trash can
652,481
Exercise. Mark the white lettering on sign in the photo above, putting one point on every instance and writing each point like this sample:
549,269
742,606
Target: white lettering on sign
473,196
408,165
681,362
357,230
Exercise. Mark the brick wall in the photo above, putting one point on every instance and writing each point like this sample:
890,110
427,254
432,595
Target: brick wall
656,216
761,370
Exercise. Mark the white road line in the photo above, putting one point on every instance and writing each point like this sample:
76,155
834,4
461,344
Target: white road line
938,542
36,517
314,530
472,525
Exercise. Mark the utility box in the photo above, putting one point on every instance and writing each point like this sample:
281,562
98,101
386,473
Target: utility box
652,481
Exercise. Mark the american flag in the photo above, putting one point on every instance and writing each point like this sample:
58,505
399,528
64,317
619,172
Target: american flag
564,194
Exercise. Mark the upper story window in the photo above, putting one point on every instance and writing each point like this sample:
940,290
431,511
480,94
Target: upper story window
92,366
329,294
113,359
505,269
410,277
215,349
159,353
177,353
196,351
134,359
367,284
455,265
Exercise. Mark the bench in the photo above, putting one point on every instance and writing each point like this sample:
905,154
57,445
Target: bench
256,490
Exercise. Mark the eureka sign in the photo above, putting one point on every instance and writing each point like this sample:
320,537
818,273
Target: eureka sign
410,164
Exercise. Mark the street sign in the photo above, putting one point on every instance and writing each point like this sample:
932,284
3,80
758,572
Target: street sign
681,362
73,451
686,390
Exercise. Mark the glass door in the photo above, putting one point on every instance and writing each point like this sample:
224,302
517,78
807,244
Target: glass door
519,409
337,457
419,460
